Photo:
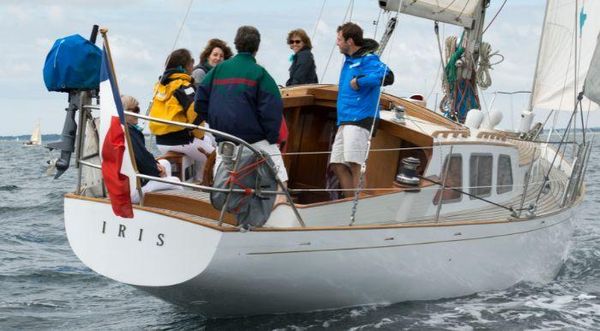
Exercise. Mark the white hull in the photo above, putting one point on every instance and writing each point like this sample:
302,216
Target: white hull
260,272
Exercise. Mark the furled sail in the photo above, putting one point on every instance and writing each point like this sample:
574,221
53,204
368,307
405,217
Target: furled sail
456,12
568,23
592,79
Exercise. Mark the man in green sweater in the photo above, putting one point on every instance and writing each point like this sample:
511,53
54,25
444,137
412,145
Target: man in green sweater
239,97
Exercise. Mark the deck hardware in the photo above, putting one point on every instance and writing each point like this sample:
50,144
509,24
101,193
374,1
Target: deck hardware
531,211
407,174
390,238
458,234
398,112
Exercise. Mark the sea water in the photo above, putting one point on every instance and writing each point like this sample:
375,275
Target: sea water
44,286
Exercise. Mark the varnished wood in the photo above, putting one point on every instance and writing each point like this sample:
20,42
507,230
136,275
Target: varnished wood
181,216
298,101
185,204
382,166
418,138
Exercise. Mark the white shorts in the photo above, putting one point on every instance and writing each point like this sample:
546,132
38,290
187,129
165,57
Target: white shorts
193,150
273,151
350,145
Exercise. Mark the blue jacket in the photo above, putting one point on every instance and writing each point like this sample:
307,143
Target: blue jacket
354,106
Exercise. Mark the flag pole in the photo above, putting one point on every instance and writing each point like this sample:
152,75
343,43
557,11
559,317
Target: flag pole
104,32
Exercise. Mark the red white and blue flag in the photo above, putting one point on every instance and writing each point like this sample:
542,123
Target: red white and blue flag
117,169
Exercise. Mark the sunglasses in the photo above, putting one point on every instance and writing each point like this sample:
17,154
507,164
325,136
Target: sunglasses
295,41
134,110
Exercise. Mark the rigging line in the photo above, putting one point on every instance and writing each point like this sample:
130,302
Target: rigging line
582,123
363,150
494,18
318,20
377,23
439,69
334,45
462,11
446,8
187,13
465,193
546,176
363,166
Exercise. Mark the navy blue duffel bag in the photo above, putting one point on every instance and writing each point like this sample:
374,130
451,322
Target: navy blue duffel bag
73,63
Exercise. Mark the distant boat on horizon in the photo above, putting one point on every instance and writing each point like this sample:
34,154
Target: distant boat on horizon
36,136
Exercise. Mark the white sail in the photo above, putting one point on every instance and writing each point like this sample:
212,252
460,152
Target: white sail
567,23
456,12
592,79
36,136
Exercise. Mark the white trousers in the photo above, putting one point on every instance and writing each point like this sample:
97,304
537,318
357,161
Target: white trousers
153,186
274,153
193,150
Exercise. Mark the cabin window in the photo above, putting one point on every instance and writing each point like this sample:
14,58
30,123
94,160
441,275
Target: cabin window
451,179
505,177
480,175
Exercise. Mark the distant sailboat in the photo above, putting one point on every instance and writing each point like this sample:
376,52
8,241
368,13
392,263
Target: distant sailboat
36,136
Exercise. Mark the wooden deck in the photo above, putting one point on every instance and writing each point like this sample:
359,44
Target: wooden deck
196,206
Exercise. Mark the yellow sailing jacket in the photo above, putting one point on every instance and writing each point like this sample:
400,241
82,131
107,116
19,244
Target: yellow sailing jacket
174,101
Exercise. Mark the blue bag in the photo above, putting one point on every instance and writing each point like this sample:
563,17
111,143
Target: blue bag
73,63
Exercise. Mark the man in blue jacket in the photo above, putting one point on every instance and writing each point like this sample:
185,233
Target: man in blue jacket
357,105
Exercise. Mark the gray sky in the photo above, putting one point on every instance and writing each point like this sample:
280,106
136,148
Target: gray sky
142,33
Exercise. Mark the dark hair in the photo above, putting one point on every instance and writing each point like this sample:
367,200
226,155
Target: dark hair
351,30
179,58
302,35
212,44
247,39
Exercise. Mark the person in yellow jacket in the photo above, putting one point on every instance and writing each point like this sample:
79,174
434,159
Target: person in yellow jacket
174,101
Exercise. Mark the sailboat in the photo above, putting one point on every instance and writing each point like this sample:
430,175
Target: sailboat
449,209
36,136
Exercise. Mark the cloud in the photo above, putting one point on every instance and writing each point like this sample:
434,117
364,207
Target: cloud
15,69
142,34
131,50
18,13
56,13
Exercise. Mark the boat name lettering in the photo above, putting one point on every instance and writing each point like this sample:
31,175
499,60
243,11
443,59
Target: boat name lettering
122,232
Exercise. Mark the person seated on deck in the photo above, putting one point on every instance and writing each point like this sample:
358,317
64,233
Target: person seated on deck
174,101
145,161
359,89
215,52
239,97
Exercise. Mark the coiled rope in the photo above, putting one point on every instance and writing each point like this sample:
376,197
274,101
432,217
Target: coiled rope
483,77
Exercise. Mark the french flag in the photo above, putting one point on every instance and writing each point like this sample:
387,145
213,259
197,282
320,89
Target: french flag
117,168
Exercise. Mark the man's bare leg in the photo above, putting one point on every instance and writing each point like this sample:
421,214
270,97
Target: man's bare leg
345,176
355,169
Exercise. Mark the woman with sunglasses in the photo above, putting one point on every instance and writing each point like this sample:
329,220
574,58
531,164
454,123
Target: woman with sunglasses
303,69
146,162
